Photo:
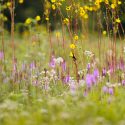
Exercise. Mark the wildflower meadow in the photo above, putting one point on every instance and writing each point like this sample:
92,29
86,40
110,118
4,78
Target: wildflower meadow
62,62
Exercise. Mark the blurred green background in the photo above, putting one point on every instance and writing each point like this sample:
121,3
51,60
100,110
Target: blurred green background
32,8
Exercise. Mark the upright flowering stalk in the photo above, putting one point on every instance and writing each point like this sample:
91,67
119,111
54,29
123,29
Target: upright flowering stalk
96,73
12,7
14,67
111,91
88,67
123,82
104,72
32,65
88,80
1,55
52,62
121,64
64,66
67,79
73,88
108,90
23,66
105,89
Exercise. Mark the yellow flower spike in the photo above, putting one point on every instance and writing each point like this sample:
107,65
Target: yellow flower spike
28,21
104,32
72,46
71,54
76,37
53,7
113,6
21,1
119,2
38,18
118,20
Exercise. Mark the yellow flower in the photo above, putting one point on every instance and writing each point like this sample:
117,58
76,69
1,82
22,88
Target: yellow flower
47,19
59,4
53,7
66,21
21,1
71,54
86,16
3,17
8,4
57,34
86,7
118,20
82,12
104,32
68,8
53,1
38,18
72,46
76,37
90,8
113,6
28,21
106,2
119,2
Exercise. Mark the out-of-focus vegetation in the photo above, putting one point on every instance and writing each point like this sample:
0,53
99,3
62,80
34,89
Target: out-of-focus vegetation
33,8
62,62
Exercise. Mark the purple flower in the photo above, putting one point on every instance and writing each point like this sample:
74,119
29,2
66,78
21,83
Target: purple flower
52,62
104,72
88,80
32,65
1,55
73,88
46,86
121,64
67,78
14,67
88,66
123,82
64,66
111,69
105,89
93,79
85,93
96,73
111,91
